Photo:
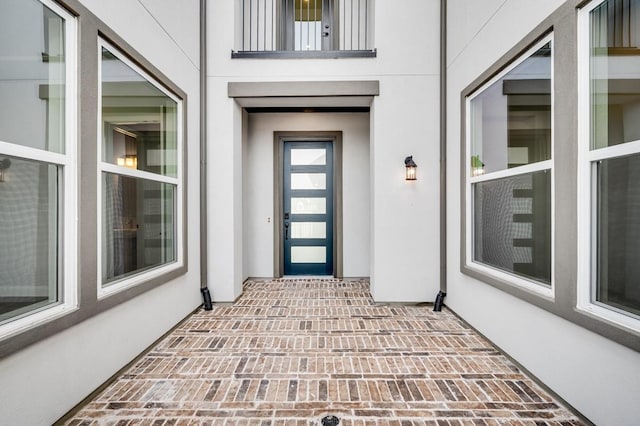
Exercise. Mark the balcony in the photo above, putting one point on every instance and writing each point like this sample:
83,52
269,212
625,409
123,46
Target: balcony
304,29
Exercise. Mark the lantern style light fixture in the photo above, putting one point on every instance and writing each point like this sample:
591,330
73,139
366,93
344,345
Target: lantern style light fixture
411,168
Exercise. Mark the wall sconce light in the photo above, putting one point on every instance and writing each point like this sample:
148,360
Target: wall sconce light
411,168
477,166
4,165
129,161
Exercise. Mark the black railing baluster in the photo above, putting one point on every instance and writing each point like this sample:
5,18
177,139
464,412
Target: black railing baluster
366,24
348,25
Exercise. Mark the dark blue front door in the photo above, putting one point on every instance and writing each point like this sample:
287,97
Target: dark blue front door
308,208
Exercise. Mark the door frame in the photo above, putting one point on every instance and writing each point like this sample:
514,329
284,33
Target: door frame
279,138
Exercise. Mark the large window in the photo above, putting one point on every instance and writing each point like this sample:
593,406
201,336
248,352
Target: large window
37,163
139,173
509,173
611,160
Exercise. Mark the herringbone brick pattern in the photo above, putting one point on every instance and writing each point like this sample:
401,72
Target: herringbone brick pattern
290,352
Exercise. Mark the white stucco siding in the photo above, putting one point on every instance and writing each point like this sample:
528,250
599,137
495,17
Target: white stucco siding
592,373
259,186
402,257
405,257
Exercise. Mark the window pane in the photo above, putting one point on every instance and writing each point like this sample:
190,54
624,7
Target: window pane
140,122
618,243
138,225
308,157
308,230
511,119
512,225
308,181
29,229
309,205
32,76
312,254
615,73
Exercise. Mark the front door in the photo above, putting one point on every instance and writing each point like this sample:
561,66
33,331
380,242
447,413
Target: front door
308,208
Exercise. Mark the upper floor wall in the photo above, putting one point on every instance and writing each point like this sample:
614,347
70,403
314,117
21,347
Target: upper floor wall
378,38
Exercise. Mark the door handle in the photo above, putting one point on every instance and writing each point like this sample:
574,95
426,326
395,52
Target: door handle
286,230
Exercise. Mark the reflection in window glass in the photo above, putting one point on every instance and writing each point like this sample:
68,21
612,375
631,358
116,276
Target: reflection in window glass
138,225
615,73
29,229
32,75
511,119
139,120
512,225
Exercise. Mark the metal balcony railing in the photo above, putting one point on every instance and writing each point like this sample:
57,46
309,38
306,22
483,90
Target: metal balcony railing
305,28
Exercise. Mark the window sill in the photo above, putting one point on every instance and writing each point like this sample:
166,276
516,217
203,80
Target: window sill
302,54
509,282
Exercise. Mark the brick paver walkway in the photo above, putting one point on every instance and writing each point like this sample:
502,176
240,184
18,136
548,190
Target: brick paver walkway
290,352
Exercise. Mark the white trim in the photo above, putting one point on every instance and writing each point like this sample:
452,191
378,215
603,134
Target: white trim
513,279
587,188
67,243
140,174
506,277
620,150
43,156
515,171
136,278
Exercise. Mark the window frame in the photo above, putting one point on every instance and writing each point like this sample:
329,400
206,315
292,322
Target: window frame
146,274
588,159
67,190
483,270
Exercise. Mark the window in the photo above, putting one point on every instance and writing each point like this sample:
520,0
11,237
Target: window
140,171
509,173
37,164
610,161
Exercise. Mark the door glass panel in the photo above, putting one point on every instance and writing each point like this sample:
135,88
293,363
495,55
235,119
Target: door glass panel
303,254
308,230
308,157
308,25
308,181
308,205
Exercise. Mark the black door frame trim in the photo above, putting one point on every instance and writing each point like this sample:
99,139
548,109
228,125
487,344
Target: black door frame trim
279,138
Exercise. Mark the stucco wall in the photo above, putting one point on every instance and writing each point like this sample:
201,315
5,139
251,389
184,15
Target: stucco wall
592,373
404,120
259,196
43,381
